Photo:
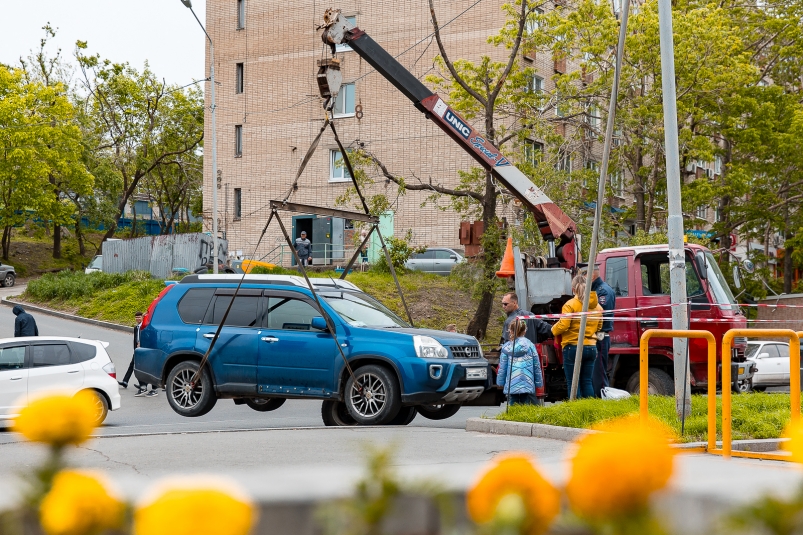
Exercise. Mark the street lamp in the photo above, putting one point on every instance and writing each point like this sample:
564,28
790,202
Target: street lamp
188,3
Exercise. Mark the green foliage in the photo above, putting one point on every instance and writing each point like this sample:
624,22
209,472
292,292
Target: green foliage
400,252
278,270
68,285
755,415
769,514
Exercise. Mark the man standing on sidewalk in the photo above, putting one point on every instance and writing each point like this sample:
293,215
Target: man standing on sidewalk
607,300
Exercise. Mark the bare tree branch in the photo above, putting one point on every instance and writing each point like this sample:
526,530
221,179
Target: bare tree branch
423,186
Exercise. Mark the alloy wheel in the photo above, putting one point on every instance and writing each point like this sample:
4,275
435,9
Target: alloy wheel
183,392
368,395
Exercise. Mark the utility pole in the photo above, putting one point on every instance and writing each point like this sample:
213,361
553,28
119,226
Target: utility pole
675,232
188,3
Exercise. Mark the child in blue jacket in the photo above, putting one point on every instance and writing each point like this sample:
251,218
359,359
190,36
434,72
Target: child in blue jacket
519,370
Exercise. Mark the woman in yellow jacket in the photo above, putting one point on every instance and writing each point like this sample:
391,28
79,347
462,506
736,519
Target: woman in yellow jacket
569,328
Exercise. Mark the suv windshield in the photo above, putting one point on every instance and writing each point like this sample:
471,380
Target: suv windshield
362,310
719,286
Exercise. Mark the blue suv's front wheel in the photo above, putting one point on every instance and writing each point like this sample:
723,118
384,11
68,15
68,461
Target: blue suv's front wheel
186,398
372,395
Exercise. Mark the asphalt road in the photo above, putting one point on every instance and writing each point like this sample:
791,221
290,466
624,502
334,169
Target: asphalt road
150,416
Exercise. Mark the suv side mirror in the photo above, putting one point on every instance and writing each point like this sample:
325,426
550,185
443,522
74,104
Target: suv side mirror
763,355
319,323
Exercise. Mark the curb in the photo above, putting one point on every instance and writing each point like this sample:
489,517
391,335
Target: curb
569,434
64,315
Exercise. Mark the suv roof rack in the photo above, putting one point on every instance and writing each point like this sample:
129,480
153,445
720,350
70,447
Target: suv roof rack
288,280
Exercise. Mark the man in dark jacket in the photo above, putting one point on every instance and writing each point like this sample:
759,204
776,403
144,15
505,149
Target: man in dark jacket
24,324
537,330
607,300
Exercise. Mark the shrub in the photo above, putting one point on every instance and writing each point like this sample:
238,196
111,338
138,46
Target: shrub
400,252
67,285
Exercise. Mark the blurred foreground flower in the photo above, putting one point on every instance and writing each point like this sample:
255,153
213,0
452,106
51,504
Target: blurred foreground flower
194,506
615,472
79,503
58,419
794,432
512,492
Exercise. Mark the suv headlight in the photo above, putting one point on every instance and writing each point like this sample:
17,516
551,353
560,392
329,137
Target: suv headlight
427,347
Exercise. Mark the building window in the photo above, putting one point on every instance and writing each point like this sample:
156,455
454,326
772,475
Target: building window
564,162
701,212
618,183
535,85
344,103
346,48
718,216
533,151
592,166
593,118
338,172
240,14
238,203
718,165
240,78
238,140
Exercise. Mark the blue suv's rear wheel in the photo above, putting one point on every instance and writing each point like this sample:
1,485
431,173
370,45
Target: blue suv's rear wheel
184,397
372,395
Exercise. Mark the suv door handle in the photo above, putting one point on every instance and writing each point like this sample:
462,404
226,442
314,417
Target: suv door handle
16,378
73,371
269,339
209,335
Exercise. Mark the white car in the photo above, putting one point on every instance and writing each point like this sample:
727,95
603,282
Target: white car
439,260
34,364
96,265
772,363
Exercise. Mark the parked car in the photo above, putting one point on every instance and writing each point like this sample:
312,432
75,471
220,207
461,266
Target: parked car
30,365
96,265
7,275
440,260
276,345
772,363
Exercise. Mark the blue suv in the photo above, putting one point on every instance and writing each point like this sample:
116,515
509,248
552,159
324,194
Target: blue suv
276,345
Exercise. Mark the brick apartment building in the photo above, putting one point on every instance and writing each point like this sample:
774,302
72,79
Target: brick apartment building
269,111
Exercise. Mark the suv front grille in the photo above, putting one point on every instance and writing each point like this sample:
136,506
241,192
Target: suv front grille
465,352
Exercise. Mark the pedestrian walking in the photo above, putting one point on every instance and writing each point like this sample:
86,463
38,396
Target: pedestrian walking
303,248
569,328
519,371
24,324
607,300
127,376
364,250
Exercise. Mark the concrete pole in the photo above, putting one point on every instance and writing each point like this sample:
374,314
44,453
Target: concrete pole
603,176
675,231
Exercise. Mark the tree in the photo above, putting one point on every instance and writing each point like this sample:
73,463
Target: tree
139,124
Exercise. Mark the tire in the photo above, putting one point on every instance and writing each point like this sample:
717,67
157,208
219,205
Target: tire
335,414
437,411
759,389
744,387
8,280
102,407
405,416
188,403
265,405
659,383
372,395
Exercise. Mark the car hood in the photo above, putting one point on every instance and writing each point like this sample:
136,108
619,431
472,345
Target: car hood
444,337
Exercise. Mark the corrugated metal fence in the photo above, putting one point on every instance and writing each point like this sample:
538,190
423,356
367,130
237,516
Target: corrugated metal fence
161,254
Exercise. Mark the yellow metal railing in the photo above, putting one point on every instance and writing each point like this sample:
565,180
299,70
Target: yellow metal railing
712,373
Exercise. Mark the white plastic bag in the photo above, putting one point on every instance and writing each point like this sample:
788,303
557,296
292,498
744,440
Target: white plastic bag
614,393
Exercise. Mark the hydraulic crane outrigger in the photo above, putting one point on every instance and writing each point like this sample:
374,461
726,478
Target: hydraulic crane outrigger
554,224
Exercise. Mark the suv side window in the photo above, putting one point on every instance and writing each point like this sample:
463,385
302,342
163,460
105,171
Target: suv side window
783,350
12,358
290,314
426,255
442,255
243,313
616,275
82,352
50,355
192,307
771,350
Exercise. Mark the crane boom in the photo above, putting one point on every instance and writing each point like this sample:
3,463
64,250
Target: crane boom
553,223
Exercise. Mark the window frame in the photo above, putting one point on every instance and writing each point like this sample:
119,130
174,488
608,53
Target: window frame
240,14
32,347
239,87
274,294
342,92
618,187
238,204
25,357
238,141
610,265
332,159
537,150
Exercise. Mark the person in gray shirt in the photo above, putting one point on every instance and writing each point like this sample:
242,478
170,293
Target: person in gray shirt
304,249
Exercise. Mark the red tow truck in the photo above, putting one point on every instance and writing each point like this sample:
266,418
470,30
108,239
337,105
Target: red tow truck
639,275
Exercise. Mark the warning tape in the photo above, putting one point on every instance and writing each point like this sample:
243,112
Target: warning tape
665,319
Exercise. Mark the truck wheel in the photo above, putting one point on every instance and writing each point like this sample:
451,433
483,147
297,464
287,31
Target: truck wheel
183,399
335,414
405,416
658,383
437,411
265,405
372,395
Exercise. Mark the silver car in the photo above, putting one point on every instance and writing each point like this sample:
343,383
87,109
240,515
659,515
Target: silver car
439,260
772,363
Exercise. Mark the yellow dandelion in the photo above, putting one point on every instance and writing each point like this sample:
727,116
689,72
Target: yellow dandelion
58,419
513,481
194,506
79,503
794,432
615,472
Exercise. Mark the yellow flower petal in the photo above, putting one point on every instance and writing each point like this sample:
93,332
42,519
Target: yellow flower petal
79,503
58,419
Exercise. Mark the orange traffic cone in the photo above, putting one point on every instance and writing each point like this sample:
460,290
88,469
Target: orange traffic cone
508,268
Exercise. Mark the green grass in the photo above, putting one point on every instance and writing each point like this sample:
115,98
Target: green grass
755,415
